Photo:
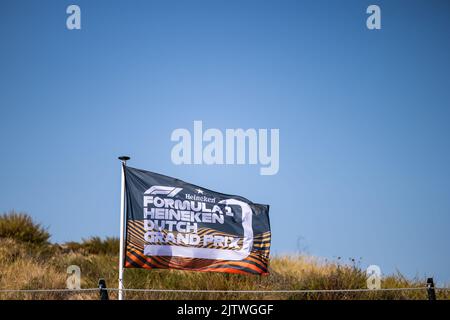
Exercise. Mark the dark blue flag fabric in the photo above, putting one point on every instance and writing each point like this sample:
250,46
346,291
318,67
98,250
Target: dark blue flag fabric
172,224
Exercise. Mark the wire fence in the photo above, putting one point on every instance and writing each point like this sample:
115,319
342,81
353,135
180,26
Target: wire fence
418,292
218,291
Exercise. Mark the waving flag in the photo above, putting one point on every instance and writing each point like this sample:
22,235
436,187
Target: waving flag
172,224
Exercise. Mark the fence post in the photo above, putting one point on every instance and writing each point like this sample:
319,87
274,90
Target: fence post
103,291
430,289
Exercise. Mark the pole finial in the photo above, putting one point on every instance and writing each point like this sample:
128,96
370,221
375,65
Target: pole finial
124,159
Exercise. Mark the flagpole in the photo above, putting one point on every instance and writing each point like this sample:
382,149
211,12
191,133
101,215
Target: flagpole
123,159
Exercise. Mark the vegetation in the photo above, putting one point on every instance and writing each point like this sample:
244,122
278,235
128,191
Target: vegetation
22,266
95,245
21,227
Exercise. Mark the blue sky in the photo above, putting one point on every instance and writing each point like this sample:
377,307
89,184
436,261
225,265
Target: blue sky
363,116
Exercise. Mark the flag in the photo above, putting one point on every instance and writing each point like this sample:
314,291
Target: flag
171,224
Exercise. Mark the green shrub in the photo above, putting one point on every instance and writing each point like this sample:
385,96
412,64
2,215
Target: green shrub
21,227
95,245
72,246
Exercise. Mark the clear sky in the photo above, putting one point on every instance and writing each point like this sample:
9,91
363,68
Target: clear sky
363,116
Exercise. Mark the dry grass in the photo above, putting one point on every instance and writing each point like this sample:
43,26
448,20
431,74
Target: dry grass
23,266
29,261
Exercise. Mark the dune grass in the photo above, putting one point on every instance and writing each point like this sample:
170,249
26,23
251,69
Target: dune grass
42,265
25,267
